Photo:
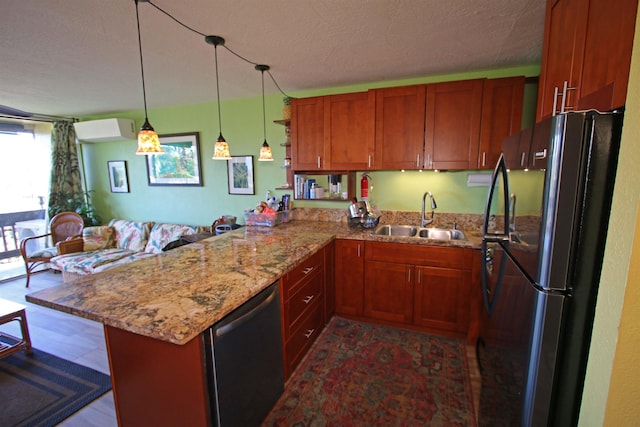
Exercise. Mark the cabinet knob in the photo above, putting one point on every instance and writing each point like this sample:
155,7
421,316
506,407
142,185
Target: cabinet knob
307,299
309,333
307,270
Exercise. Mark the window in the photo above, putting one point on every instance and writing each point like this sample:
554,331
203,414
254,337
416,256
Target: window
25,167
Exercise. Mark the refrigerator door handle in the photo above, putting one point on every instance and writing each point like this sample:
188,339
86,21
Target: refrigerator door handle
500,169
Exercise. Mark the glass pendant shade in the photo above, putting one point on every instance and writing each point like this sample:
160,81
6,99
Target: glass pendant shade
265,153
148,141
221,149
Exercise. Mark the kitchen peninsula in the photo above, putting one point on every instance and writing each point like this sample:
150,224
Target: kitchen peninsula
155,311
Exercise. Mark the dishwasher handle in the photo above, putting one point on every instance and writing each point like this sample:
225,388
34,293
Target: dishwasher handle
220,331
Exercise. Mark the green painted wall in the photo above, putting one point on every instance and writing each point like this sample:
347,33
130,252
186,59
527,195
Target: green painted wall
242,128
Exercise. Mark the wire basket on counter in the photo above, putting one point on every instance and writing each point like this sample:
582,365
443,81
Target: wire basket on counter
366,221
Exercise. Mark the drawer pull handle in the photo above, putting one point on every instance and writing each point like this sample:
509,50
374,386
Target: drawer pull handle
309,333
307,299
307,270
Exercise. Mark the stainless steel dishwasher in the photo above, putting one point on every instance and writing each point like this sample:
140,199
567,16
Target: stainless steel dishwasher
244,361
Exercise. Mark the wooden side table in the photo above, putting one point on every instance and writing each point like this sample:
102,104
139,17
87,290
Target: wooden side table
9,312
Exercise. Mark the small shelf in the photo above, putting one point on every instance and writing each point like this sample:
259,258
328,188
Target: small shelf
288,185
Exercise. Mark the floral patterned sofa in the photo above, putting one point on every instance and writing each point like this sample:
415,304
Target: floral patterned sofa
121,241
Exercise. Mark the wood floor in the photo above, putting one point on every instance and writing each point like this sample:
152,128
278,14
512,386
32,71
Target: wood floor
82,341
66,336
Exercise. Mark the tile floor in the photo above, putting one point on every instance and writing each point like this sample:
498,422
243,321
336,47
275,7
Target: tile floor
66,336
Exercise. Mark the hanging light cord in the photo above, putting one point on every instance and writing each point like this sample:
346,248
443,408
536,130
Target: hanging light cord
264,117
215,50
144,91
204,35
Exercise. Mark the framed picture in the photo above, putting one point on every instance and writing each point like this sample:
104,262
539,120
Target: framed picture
180,162
240,175
118,179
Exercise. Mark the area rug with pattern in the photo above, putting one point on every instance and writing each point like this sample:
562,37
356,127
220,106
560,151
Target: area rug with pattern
359,374
42,389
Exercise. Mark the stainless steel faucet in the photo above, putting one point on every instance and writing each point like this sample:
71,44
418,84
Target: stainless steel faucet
512,209
424,221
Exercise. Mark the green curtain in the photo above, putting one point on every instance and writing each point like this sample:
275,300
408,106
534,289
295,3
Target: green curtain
66,181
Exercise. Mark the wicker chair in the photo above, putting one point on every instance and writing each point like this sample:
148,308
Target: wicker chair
62,226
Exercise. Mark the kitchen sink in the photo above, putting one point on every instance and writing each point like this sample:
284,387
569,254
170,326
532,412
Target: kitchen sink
392,230
396,230
442,234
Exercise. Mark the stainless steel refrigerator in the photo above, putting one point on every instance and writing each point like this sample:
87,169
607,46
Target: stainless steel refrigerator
541,272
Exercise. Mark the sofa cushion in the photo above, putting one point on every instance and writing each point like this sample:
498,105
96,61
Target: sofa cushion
161,234
131,235
98,237
133,256
88,262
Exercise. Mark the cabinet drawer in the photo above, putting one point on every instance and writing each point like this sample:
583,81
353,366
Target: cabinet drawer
307,296
292,279
301,339
432,256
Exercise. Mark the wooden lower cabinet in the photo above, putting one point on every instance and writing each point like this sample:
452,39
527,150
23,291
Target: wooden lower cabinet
304,311
157,383
349,277
388,291
441,298
426,287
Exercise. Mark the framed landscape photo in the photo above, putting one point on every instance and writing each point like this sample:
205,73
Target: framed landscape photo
180,162
118,179
240,173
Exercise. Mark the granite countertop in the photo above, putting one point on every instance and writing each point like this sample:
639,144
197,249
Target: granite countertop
177,295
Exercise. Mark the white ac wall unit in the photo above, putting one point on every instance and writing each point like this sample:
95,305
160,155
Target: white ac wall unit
105,130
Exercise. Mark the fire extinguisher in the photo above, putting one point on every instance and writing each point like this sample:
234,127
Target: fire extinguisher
364,187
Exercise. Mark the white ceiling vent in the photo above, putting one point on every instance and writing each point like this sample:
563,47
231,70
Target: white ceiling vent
105,130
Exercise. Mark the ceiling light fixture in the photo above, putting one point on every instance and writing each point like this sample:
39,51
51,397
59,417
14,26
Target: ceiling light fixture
221,149
265,151
148,141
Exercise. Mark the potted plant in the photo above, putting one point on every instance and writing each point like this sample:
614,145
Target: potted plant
286,109
79,203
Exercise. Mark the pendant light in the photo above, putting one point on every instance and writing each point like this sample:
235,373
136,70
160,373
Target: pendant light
221,149
265,151
148,141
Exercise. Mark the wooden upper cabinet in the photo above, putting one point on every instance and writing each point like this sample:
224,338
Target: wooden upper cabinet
349,131
607,54
307,134
516,149
587,49
562,53
453,112
399,127
502,101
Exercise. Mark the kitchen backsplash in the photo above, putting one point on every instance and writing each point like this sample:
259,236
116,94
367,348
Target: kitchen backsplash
443,220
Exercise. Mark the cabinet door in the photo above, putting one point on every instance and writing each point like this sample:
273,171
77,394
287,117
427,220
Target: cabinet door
399,127
349,131
562,53
607,54
329,282
516,149
452,124
501,116
388,291
441,298
349,277
307,134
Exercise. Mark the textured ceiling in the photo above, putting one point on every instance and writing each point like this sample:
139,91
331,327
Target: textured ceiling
80,57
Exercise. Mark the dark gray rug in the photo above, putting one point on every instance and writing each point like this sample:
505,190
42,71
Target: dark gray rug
43,390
